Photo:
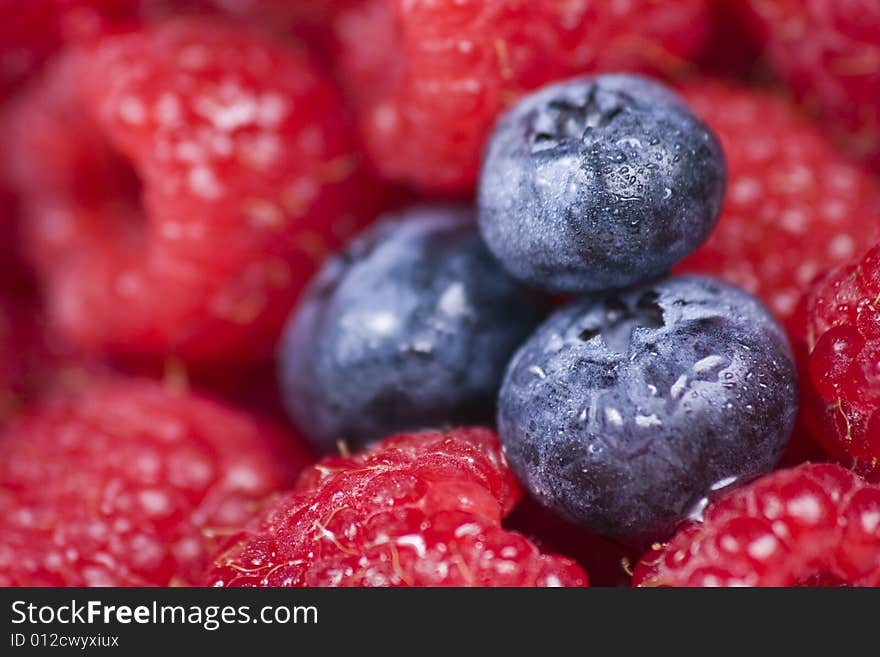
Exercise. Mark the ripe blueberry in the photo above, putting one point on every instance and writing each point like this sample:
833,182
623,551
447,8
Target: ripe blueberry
411,327
599,182
625,409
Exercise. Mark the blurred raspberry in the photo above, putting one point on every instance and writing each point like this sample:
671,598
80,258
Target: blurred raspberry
180,185
32,30
130,484
794,206
828,51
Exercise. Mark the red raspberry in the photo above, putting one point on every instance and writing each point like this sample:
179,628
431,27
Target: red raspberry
793,206
416,510
828,51
246,174
837,335
431,76
817,524
130,484
31,30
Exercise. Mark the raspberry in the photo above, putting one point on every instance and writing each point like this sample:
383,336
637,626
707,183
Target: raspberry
180,185
816,524
130,484
419,510
31,31
793,208
838,336
829,53
431,76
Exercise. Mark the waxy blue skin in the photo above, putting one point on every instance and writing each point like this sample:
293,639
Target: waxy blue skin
597,183
411,327
624,410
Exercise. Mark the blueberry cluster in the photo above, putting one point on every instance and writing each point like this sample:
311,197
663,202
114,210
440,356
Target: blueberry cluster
627,407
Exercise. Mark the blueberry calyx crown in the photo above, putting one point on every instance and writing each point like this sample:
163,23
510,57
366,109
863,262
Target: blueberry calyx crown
566,120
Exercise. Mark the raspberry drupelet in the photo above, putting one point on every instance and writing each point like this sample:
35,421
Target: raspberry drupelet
180,184
415,510
794,205
129,484
816,524
429,77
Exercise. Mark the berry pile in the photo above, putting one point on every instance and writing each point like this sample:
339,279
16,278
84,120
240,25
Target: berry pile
439,293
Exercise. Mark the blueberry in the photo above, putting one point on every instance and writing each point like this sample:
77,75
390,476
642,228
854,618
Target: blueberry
411,327
624,410
599,182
